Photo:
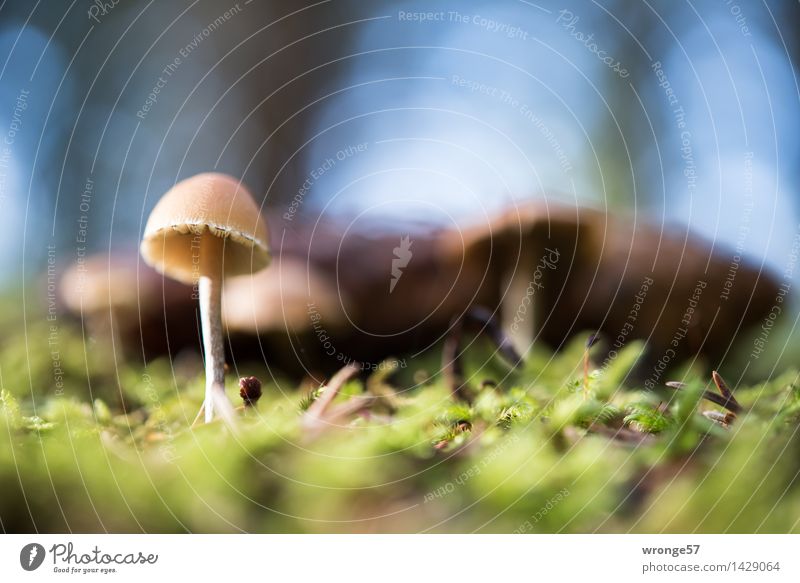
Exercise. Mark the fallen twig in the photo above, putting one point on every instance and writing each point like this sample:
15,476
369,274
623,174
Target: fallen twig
724,389
728,403
338,414
496,334
314,417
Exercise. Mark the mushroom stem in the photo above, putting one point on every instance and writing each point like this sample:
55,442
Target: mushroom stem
210,295
518,304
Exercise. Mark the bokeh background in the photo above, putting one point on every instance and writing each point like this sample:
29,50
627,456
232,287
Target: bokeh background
401,115
431,112
467,107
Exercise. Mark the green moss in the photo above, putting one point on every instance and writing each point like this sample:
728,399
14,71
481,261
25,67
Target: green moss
113,449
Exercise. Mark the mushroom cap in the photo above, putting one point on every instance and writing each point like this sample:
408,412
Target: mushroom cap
100,283
289,295
213,204
517,225
118,281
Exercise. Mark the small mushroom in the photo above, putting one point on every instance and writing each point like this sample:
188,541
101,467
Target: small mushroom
101,290
121,300
203,229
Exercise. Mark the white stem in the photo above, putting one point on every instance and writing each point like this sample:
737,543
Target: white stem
519,303
210,294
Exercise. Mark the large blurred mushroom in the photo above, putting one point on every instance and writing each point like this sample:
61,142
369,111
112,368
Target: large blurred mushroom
627,279
521,254
203,229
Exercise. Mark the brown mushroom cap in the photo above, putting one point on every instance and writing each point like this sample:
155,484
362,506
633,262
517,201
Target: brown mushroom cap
213,204
515,228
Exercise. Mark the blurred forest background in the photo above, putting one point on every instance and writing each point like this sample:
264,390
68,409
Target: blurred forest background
686,113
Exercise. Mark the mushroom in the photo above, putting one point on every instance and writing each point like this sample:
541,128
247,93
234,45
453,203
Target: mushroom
203,229
294,310
285,296
518,255
131,304
564,269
